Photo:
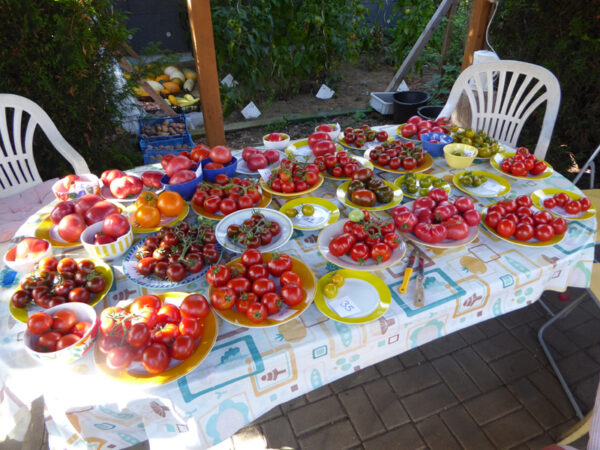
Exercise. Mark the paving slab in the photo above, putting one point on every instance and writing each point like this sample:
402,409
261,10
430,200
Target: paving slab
316,415
464,428
455,378
512,430
405,437
538,406
278,433
436,434
414,379
492,405
339,435
365,420
430,401
386,403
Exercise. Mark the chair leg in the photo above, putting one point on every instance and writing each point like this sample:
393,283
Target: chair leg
565,312
546,307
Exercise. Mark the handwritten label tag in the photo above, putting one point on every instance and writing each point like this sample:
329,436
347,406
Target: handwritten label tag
343,307
199,170
311,220
265,174
283,314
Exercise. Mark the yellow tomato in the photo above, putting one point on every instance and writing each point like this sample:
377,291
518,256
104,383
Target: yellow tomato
338,280
147,216
147,198
170,203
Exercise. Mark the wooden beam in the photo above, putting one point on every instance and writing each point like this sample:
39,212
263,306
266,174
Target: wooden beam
480,14
206,66
410,60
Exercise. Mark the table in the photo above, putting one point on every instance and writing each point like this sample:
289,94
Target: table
249,372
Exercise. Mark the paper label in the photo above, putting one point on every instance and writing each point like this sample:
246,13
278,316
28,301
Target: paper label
265,174
199,170
343,307
283,314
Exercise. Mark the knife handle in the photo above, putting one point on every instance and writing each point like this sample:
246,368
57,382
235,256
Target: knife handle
404,286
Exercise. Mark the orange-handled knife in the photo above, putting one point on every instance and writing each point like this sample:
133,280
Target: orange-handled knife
408,272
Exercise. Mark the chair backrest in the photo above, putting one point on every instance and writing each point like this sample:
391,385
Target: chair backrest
18,170
501,108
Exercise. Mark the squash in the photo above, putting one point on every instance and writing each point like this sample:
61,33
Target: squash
155,85
171,87
177,74
190,74
169,70
162,77
188,85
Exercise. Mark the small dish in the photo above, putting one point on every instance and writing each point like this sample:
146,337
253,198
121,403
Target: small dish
87,183
497,159
494,186
332,134
325,213
342,197
280,144
25,265
460,156
111,250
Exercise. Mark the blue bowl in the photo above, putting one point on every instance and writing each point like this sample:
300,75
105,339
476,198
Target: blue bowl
211,174
186,190
435,149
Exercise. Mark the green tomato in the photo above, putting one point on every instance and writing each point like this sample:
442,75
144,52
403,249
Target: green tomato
466,180
438,182
356,215
308,210
291,212
330,290
423,192
425,182
412,188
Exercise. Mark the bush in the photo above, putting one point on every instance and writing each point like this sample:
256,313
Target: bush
61,54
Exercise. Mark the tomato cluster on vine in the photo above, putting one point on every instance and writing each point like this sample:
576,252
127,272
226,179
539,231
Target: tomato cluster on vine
56,282
293,177
152,332
398,155
176,251
254,231
340,164
360,136
250,285
522,164
227,195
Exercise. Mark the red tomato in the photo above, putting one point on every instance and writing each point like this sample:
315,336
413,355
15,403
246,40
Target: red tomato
279,263
168,313
544,232
39,323
289,277
79,294
191,326
524,200
559,225
457,228
113,320
220,154
430,233
86,202
115,225
506,228
464,204
151,178
408,130
218,275
585,203
156,358
145,301
272,301
292,295
195,306
119,358
360,252
472,217
138,335
251,257
70,227
183,347
438,195
572,207
64,320
257,271
257,312
176,272
178,163
261,286
549,203
524,231
381,252
341,244
542,217
518,169
47,341
165,333
66,341
80,328
183,176
538,168
199,152
317,136
523,210
239,285
223,298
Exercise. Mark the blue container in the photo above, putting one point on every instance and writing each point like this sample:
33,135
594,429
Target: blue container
157,121
211,174
153,151
186,190
432,148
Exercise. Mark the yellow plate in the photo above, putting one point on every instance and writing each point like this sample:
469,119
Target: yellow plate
317,185
325,213
497,159
363,161
365,291
138,375
399,133
398,182
287,313
495,186
532,243
164,221
46,230
22,314
537,197
342,197
264,202
427,163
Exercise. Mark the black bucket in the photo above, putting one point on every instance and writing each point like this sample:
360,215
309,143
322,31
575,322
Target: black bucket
430,112
406,104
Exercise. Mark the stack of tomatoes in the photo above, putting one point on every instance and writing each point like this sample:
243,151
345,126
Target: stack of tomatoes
56,282
522,164
340,164
257,159
516,219
365,238
120,184
293,177
398,155
358,137
567,204
176,251
152,207
434,219
250,285
254,231
227,195
321,143
152,332
56,332
415,127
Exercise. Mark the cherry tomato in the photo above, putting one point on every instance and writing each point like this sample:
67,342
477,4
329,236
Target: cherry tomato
272,301
572,207
138,335
561,198
194,306
524,200
381,252
524,231
341,244
257,271
183,347
165,333
506,228
81,328
79,294
549,203
360,252
292,295
168,313
257,312
279,263
559,225
289,277
113,320
585,203
64,320
223,298
47,341
119,358
191,326
20,298
544,232
239,285
542,217
39,323
176,272
95,285
218,275
263,285
156,358
66,265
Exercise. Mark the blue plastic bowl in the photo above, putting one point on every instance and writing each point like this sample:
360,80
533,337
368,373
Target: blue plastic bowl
186,190
435,149
211,174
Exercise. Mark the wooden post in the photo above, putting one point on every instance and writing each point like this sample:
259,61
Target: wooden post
480,14
206,66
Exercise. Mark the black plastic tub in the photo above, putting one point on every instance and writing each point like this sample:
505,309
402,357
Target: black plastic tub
429,112
406,104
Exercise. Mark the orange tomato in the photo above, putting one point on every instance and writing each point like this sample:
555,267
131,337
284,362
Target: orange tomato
147,216
147,198
170,203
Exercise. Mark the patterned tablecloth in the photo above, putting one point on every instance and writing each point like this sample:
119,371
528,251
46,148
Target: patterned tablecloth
249,372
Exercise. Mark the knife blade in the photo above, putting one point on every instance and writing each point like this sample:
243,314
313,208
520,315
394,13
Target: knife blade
419,299
408,272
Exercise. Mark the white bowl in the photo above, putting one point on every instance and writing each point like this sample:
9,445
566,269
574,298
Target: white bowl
84,312
89,184
25,265
332,134
105,251
276,145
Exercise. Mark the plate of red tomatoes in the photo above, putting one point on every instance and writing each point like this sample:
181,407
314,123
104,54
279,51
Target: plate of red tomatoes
360,139
519,222
563,203
260,290
416,126
173,257
341,165
362,243
398,157
156,339
292,179
521,164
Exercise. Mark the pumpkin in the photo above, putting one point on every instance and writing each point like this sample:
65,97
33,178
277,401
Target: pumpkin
171,87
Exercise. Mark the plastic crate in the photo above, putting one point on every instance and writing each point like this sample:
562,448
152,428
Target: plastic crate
157,121
382,102
153,151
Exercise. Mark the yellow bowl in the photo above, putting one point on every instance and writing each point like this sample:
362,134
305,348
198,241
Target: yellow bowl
460,161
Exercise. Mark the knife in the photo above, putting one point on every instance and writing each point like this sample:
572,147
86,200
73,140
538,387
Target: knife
419,299
408,272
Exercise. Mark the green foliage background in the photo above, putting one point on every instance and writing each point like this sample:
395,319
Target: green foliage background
60,54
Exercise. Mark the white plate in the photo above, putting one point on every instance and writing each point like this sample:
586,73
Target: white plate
238,217
242,166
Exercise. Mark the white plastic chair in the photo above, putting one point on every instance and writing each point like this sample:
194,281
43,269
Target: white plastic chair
501,109
18,170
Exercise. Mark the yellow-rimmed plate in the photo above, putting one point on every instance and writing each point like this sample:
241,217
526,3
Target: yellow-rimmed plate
316,186
364,162
136,374
287,313
531,243
538,197
494,186
399,134
22,314
328,233
47,230
343,198
264,202
368,145
325,213
497,159
400,183
427,163
363,298
303,153
164,220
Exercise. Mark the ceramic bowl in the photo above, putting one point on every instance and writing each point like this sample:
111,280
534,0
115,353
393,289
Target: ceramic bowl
277,145
187,189
459,156
88,184
111,250
211,174
25,265
332,134
431,147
